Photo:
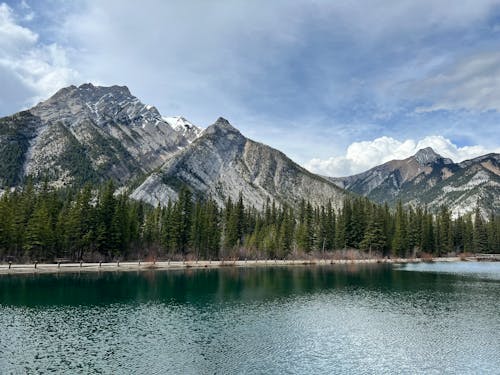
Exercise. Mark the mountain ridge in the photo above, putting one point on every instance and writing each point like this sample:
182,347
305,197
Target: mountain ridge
427,178
223,163
110,131
92,133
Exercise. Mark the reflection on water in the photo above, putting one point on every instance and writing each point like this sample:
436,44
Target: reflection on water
486,270
338,319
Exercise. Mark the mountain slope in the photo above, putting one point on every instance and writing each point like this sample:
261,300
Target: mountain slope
429,179
91,133
16,134
87,133
222,163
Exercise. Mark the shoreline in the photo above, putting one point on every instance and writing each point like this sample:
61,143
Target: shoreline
45,268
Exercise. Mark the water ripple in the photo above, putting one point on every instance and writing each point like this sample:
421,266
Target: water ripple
272,321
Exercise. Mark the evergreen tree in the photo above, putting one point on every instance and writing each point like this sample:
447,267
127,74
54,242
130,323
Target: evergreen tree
444,232
480,237
468,234
399,241
428,233
44,224
38,238
491,232
104,226
374,237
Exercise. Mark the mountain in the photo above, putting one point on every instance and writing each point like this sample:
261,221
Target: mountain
223,163
88,133
91,133
427,178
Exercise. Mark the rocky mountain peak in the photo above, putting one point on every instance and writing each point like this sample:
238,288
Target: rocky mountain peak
427,156
89,93
429,179
97,103
115,89
106,131
222,125
222,128
223,163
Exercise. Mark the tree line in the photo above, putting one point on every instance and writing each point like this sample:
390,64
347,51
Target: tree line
98,224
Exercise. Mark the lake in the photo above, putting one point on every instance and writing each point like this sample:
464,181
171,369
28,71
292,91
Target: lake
441,318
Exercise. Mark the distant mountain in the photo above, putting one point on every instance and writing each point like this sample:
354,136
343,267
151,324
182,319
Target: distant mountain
223,163
91,133
88,133
429,179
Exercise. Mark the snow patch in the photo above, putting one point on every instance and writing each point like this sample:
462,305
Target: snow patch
184,127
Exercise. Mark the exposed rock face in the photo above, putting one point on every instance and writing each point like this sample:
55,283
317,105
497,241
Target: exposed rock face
429,179
427,156
88,134
91,133
17,133
223,163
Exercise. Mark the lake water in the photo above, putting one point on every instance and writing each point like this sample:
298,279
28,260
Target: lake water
421,318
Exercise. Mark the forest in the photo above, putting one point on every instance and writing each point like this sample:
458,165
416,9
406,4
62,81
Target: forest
97,224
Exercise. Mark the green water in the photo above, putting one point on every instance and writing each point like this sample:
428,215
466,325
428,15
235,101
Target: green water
425,318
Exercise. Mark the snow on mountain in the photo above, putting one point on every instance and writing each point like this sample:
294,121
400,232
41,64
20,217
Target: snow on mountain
87,133
184,127
91,133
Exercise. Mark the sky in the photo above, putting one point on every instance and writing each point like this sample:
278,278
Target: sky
339,86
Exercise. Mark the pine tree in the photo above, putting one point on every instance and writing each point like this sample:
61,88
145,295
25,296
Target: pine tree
480,237
5,224
428,233
399,241
444,232
491,234
185,209
468,234
213,230
340,236
374,238
330,227
414,232
305,229
104,225
235,224
38,237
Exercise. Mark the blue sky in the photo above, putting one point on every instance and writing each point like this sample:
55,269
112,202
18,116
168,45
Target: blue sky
339,86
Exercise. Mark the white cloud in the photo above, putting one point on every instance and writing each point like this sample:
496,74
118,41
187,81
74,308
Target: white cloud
29,70
13,37
361,156
360,64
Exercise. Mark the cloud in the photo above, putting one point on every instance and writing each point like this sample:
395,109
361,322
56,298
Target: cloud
13,38
29,69
318,77
203,59
361,156
470,84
